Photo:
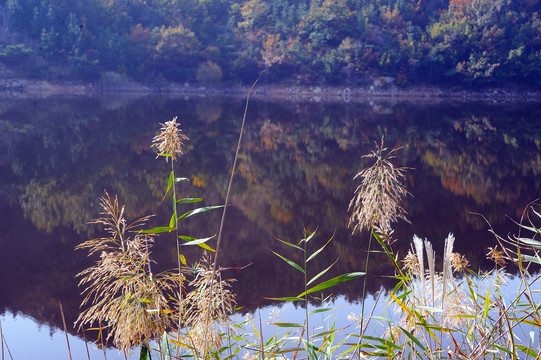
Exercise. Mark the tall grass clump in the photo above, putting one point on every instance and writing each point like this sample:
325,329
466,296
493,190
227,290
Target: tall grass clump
136,306
125,296
377,200
439,309
454,313
208,311
307,340
376,204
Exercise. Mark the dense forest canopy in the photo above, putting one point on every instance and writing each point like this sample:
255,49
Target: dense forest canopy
345,42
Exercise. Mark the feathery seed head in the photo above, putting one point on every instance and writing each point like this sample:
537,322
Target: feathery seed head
207,313
122,292
459,263
410,263
496,255
170,141
376,203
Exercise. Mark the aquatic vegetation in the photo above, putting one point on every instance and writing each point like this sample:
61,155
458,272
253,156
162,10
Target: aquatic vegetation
125,296
170,140
377,200
186,312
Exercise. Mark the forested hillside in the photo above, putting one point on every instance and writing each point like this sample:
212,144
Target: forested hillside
345,42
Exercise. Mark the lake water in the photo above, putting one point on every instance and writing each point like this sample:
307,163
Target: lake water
296,169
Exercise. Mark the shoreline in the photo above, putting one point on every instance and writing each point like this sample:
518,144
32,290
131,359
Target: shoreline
23,88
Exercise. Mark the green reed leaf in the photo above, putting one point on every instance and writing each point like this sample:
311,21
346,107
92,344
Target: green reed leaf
332,282
169,184
321,273
309,237
198,211
487,304
317,311
288,325
143,355
290,244
182,259
189,200
386,342
198,242
319,250
429,308
286,298
528,351
181,179
164,347
157,230
325,333
412,338
505,350
291,263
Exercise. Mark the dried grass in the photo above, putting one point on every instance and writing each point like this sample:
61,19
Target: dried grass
170,140
124,295
376,203
208,308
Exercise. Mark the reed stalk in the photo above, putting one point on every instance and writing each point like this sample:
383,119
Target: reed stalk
3,341
376,204
65,328
226,203
2,338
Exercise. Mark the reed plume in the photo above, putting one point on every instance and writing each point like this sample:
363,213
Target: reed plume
208,308
376,203
170,140
443,292
122,293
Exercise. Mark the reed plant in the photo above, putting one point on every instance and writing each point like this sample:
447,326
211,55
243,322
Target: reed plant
135,305
121,289
440,315
376,204
311,285
433,312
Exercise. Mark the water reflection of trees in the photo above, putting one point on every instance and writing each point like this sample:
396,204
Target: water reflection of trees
296,171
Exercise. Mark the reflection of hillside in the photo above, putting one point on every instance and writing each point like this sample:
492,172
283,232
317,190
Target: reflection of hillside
296,169
493,160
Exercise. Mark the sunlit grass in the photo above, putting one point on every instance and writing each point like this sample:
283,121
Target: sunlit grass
452,313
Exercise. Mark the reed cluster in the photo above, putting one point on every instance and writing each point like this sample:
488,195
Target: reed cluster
445,311
123,292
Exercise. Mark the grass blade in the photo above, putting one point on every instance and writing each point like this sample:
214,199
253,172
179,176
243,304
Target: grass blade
412,338
157,230
198,211
321,273
189,200
169,183
199,242
291,263
319,250
290,244
332,282
286,298
288,325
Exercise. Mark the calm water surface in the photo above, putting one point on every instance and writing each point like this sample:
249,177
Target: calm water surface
296,169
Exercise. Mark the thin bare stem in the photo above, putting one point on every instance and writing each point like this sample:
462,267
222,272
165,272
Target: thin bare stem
102,344
219,241
65,328
261,348
2,338
86,344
